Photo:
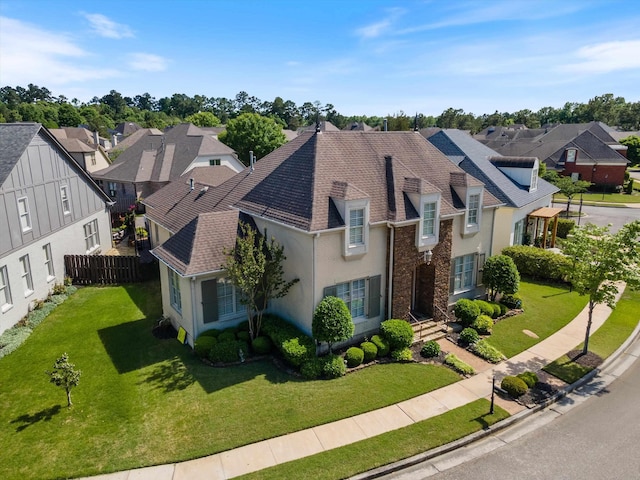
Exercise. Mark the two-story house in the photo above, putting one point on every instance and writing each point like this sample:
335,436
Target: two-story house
50,208
382,220
82,146
513,180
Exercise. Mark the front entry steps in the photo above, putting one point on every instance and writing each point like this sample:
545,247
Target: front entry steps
425,329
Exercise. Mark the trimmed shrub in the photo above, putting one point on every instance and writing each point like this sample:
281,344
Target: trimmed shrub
485,307
242,326
225,352
497,309
503,309
370,351
402,355
296,352
458,365
469,336
514,386
311,368
430,349
262,345
565,226
294,345
483,325
354,357
398,333
211,333
332,321
539,263
530,378
466,311
511,301
243,335
226,336
203,344
381,344
487,351
333,366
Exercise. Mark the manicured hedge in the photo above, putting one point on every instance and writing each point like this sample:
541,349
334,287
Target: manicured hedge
381,344
333,366
514,386
262,345
466,311
202,345
529,377
295,346
538,263
398,333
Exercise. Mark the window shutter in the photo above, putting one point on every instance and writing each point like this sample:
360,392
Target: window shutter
480,267
209,301
374,296
331,291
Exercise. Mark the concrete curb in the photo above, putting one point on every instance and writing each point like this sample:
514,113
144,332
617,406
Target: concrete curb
506,423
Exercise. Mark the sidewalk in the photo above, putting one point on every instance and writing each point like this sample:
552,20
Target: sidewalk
274,451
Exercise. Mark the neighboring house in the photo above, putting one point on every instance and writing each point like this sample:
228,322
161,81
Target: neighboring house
358,127
584,151
382,220
80,143
512,180
50,208
157,158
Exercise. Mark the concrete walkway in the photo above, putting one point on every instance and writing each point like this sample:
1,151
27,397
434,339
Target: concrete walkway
274,451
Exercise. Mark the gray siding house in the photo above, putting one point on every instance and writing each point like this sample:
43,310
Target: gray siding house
49,207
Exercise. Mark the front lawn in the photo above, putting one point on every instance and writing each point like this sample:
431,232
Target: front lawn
605,340
547,308
597,198
143,401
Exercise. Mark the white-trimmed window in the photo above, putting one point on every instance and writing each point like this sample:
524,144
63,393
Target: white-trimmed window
91,237
474,209
25,273
5,291
356,227
174,291
214,161
518,232
462,273
534,180
48,262
92,159
229,303
362,296
25,216
572,153
429,217
64,196
353,294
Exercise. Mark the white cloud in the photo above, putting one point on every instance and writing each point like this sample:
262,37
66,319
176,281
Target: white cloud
33,55
383,26
147,62
105,27
606,57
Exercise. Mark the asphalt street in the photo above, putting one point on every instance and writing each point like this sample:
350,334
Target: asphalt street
603,216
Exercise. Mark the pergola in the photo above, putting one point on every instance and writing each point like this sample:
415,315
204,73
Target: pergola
546,214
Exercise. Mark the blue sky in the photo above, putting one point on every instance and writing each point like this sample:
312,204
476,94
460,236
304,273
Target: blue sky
365,57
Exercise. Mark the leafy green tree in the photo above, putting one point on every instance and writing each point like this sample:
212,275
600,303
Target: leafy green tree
68,116
500,275
599,260
254,266
633,148
332,321
64,375
569,188
251,131
203,119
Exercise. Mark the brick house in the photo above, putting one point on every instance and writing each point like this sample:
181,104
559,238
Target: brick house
382,220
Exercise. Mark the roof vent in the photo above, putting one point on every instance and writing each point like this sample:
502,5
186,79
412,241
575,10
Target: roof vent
191,184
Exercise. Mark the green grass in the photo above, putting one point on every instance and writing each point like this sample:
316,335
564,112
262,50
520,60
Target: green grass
605,340
143,401
598,198
547,308
387,448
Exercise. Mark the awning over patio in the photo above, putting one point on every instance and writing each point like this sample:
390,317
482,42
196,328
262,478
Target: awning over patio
546,214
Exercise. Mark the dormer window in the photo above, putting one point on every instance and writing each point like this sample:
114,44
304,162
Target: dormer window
473,213
428,228
571,155
429,219
533,186
473,210
356,227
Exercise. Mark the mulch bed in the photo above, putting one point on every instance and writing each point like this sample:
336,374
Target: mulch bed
538,394
590,359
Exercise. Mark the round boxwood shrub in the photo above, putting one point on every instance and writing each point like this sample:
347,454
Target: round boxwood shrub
512,301
354,357
202,345
243,335
381,344
483,324
469,336
485,307
402,355
226,336
210,333
503,309
370,351
466,311
514,386
497,309
225,352
333,366
430,349
262,345
311,368
398,333
530,378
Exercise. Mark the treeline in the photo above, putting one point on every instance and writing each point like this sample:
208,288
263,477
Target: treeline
38,104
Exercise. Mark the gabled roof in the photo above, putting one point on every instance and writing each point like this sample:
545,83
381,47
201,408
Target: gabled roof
295,183
457,144
590,148
126,128
162,157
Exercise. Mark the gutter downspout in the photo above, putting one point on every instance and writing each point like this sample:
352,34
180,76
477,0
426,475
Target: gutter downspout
194,315
313,275
390,279
493,226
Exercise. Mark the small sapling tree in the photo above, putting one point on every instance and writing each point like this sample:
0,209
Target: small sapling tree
332,321
500,275
64,375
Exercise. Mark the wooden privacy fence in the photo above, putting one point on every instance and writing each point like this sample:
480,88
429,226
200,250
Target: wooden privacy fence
102,269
